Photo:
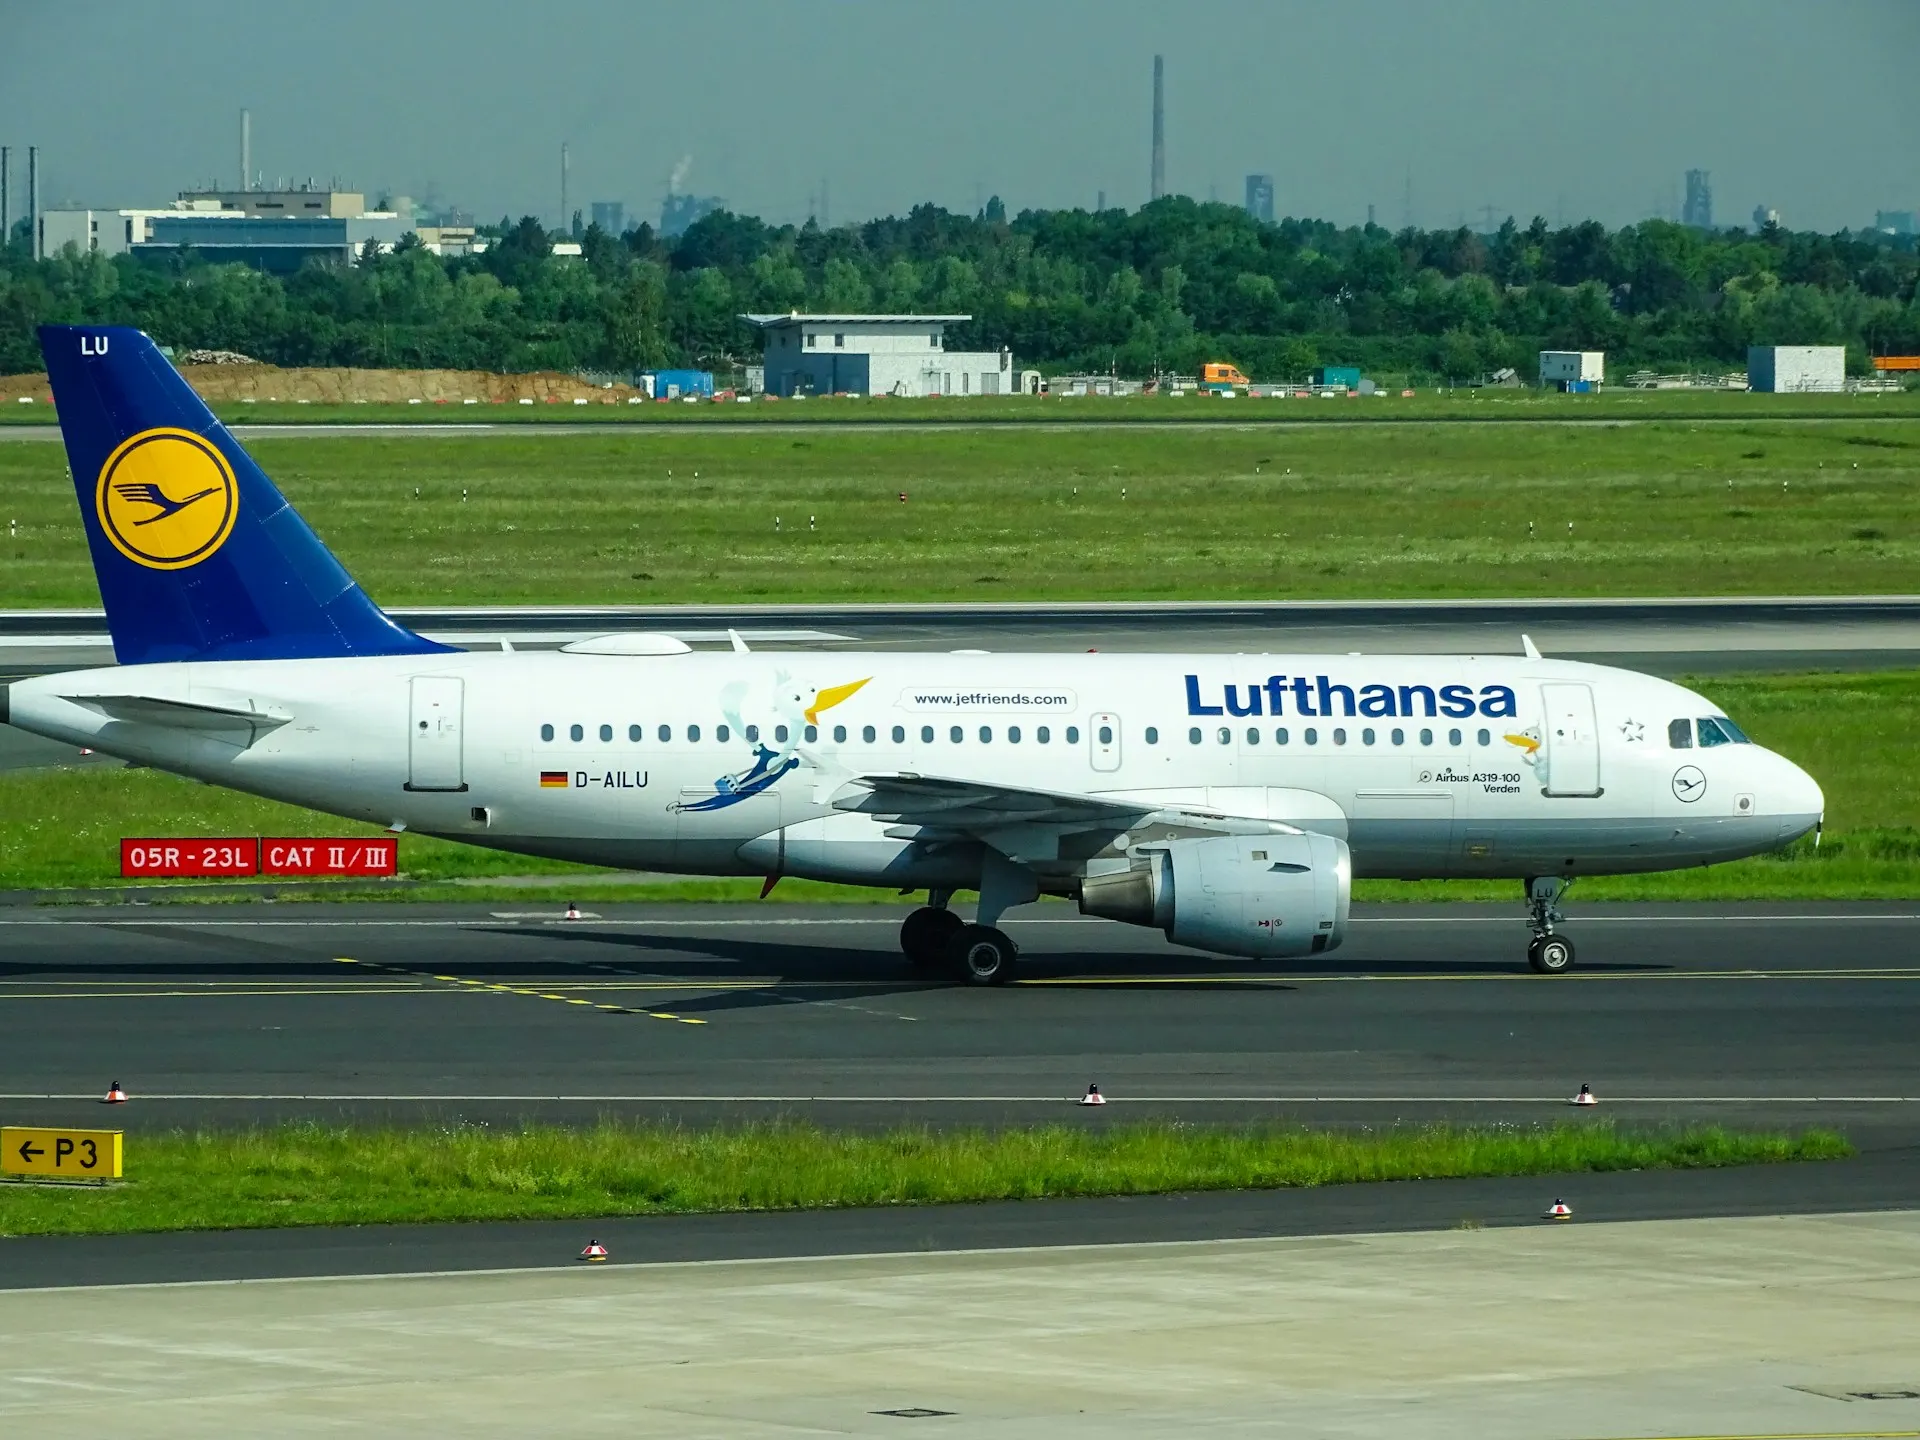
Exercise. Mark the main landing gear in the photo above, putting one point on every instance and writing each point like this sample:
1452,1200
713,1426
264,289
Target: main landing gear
1550,953
934,938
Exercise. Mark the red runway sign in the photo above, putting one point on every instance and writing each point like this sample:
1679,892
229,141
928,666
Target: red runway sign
183,859
377,856
249,855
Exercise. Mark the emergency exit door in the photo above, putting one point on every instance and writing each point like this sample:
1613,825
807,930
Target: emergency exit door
433,734
1572,740
1103,740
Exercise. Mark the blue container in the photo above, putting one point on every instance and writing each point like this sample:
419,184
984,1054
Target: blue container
1338,376
676,384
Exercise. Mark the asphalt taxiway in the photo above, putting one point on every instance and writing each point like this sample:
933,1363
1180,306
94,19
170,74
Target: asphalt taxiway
1778,1014
1661,636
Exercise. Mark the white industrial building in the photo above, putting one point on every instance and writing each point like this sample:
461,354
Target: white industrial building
903,355
1573,368
1797,369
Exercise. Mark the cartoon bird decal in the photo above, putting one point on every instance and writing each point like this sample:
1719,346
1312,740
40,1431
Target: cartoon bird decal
1529,741
831,696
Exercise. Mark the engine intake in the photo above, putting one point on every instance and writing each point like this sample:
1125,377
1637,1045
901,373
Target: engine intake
1264,896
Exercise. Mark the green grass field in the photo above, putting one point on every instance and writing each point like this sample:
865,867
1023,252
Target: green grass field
1108,512
60,828
315,1175
1426,404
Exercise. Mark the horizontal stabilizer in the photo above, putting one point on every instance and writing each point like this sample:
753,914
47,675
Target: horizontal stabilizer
180,714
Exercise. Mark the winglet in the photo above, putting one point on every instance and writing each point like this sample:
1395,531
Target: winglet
739,645
1526,643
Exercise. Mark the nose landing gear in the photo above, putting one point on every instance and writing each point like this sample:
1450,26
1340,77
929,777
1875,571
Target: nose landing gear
1549,953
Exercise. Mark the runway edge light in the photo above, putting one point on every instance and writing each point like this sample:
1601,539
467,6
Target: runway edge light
1585,1097
1558,1210
594,1253
1093,1096
115,1095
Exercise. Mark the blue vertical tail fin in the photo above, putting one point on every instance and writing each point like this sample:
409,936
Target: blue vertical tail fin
198,555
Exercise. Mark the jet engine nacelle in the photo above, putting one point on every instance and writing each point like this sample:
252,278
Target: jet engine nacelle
1265,896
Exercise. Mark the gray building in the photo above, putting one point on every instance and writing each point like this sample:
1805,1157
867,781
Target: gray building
1260,197
1698,209
903,355
610,216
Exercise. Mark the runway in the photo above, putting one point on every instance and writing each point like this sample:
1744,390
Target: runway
1752,1015
1662,636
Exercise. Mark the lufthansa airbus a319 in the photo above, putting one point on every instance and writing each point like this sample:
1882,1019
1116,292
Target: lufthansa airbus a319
1229,801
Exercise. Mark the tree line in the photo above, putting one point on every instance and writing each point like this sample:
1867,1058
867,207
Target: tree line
1162,288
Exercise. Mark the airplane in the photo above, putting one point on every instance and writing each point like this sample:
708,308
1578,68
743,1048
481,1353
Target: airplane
1228,801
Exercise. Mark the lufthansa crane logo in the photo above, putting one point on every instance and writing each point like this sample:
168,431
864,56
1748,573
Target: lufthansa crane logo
167,499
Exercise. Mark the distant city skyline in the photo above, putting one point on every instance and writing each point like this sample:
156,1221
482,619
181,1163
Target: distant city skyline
1485,107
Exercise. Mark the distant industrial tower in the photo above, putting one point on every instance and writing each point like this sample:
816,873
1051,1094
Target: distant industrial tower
1698,209
1260,198
246,150
610,216
1159,187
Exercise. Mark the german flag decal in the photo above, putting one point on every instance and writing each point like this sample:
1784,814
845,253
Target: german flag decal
553,779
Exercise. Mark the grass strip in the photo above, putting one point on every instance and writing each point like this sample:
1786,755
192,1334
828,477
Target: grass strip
309,1174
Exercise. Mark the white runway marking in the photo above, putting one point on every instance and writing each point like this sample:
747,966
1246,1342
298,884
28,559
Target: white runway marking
1559,1101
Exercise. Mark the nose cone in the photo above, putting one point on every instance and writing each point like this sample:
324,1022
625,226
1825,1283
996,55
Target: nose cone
1798,800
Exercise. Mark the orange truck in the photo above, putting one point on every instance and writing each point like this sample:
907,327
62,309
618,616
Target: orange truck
1883,362
1217,377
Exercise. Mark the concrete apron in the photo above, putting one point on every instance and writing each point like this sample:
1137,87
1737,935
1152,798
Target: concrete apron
1768,1326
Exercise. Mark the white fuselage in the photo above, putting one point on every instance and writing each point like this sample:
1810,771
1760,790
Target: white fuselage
724,764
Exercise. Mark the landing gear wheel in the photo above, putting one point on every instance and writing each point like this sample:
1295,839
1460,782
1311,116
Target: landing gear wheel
925,934
983,955
1550,954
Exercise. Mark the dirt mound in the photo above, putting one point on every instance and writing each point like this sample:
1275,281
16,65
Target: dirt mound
266,384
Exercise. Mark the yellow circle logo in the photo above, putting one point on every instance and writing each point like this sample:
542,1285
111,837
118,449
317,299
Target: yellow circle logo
167,499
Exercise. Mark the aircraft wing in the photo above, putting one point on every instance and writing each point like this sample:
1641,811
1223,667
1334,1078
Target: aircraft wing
1032,826
970,805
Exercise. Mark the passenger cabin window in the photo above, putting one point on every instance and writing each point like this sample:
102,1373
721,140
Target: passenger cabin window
956,735
753,734
1311,735
633,734
693,733
1013,734
606,733
1486,737
1339,736
1043,735
839,734
666,733
899,734
1193,736
1153,735
986,734
780,733
1073,734
926,734
1280,736
1106,735
1680,734
810,734
868,734
722,734
577,733
1253,735
1453,737
546,732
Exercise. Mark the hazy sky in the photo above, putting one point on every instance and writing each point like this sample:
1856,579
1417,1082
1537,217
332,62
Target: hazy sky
1560,109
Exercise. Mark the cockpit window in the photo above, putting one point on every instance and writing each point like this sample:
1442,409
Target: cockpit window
1734,732
1680,734
1715,730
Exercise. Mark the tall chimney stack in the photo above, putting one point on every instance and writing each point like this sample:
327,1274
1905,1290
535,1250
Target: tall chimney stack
246,149
6,194
1159,127
33,199
566,219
